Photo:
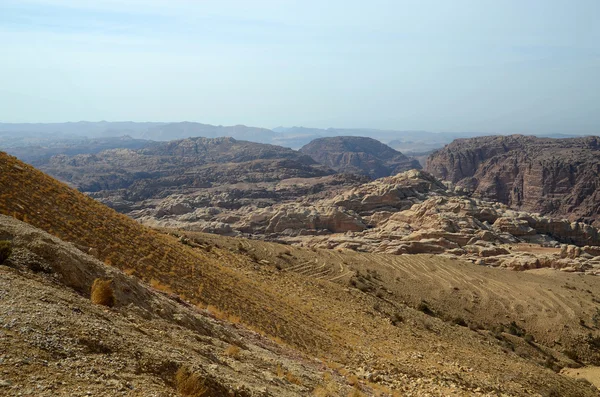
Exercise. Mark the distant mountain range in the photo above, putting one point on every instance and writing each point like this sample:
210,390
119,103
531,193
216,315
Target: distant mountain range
43,134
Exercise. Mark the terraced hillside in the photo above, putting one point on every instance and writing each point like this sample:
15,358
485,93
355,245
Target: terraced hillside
558,309
363,333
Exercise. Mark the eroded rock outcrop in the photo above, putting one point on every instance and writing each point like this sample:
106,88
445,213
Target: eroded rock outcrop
557,177
409,213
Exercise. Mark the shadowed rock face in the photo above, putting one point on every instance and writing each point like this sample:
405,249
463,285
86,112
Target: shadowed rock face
559,177
360,155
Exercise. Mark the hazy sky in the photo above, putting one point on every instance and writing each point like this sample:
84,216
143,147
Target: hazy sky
447,65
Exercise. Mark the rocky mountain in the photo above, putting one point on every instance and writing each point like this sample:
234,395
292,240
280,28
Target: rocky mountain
206,315
557,177
359,155
164,168
39,151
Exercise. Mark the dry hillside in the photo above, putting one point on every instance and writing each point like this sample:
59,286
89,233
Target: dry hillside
372,332
141,346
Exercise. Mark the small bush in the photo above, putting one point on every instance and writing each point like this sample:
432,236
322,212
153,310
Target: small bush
5,250
233,351
572,354
293,379
593,342
189,384
102,293
515,330
216,312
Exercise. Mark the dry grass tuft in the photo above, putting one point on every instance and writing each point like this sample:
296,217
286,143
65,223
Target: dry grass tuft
281,373
293,379
190,384
216,312
353,380
102,293
233,351
160,286
329,389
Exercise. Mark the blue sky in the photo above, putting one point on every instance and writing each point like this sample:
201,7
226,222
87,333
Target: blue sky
489,66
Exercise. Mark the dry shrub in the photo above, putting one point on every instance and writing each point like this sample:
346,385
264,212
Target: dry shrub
293,379
234,319
190,384
216,313
154,283
102,293
5,250
129,271
279,371
233,351
328,389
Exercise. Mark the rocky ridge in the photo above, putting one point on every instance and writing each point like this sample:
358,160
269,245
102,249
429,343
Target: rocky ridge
409,213
557,177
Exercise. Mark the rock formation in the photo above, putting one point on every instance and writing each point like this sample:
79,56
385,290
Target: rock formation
360,155
558,177
165,168
409,213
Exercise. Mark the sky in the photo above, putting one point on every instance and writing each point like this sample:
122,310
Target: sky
526,66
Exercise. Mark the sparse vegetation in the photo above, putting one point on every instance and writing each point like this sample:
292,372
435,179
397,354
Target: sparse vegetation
154,257
233,351
102,293
190,384
287,375
572,354
515,329
397,318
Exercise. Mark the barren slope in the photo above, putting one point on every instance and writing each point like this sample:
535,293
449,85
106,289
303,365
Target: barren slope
162,261
135,348
380,345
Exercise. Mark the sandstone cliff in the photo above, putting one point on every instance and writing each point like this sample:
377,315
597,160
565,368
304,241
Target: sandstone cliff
559,177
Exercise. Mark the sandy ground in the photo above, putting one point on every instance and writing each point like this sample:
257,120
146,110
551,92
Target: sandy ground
591,374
